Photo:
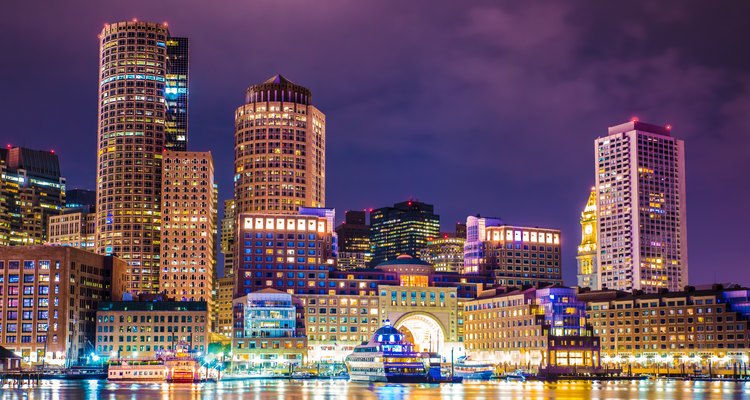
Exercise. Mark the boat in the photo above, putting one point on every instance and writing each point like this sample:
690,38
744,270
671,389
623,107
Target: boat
302,375
388,357
150,371
518,375
468,369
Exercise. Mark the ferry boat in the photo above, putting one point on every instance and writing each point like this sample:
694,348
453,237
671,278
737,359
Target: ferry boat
468,369
388,357
137,371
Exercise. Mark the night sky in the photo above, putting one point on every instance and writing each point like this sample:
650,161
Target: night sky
476,107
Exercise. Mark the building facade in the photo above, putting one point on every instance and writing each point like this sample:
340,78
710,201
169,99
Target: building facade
31,191
446,254
223,305
404,228
265,331
518,255
535,328
48,299
176,93
75,229
137,330
641,212
684,331
588,264
228,224
133,70
355,250
188,232
279,149
475,236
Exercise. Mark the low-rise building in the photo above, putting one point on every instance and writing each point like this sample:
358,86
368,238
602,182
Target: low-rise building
136,330
265,331
535,328
682,330
48,300
73,228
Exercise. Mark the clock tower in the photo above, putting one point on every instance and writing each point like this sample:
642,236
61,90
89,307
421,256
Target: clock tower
588,268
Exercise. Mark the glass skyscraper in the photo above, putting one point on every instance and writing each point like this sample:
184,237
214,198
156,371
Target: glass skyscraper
404,228
176,94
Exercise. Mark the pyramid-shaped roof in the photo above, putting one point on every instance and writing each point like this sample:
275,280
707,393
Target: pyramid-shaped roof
279,79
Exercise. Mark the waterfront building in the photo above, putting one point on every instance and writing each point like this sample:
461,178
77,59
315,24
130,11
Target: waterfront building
48,299
72,228
137,330
224,288
354,250
176,94
641,212
588,265
133,67
543,329
684,331
32,190
518,255
403,228
188,230
446,254
291,253
279,150
475,236
265,331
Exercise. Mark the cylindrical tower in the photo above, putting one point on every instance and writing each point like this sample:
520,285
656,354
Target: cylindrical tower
279,150
132,70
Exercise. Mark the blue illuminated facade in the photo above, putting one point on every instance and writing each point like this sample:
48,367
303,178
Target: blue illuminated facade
176,93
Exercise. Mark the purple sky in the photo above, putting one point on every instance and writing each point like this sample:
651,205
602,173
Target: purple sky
477,107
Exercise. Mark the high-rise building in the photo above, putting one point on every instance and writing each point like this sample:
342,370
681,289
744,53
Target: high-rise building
279,150
134,64
32,191
50,296
176,94
80,199
188,232
460,230
354,250
227,237
404,228
519,256
640,202
475,235
445,253
588,269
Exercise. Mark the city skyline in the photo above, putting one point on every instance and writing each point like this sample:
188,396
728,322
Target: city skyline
548,195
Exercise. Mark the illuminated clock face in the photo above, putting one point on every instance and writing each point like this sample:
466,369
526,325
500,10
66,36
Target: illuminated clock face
588,229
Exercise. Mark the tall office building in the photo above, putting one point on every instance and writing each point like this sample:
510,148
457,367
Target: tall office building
176,94
279,147
404,228
354,249
519,255
80,199
445,253
640,200
228,223
134,65
588,265
32,190
188,230
475,235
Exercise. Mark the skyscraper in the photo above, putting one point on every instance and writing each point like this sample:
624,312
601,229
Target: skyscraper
475,235
588,265
404,228
279,147
640,200
176,94
228,223
354,241
32,191
188,230
133,67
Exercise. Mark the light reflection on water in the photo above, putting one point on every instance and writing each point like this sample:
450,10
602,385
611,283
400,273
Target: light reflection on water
339,390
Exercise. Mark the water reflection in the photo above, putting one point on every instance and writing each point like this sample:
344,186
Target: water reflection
340,390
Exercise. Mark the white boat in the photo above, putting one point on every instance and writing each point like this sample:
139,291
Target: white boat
387,357
138,371
468,369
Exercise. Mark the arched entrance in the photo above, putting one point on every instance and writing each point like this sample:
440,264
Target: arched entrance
423,330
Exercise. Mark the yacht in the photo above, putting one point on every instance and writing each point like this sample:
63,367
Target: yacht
469,369
388,357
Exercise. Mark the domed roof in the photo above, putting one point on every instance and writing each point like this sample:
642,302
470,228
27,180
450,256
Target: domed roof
404,259
387,329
